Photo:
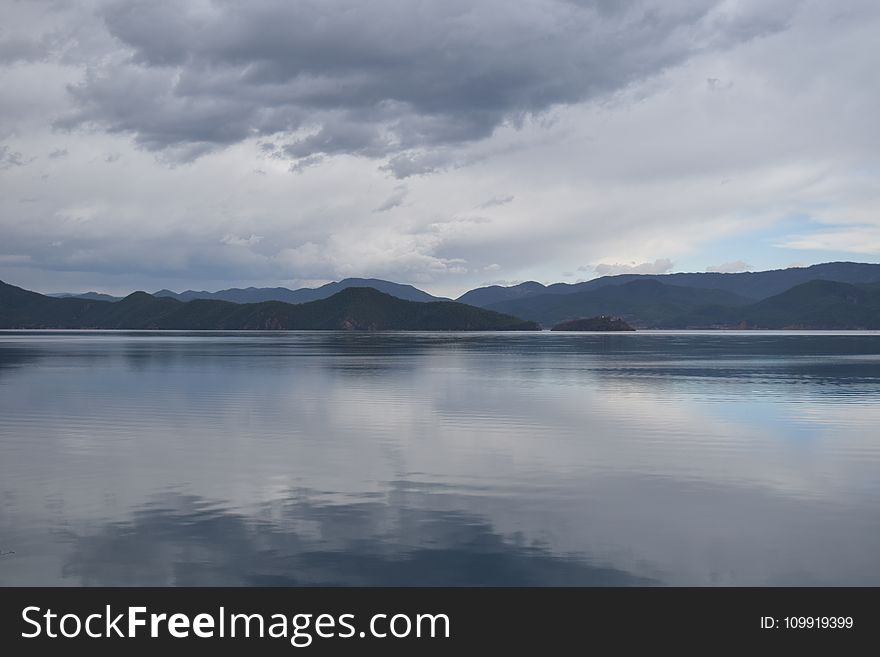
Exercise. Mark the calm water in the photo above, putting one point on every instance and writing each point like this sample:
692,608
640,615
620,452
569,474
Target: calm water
461,459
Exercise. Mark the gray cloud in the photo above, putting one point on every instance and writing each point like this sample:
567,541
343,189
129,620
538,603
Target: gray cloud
10,158
395,200
18,48
381,78
14,259
235,240
417,163
304,163
659,266
497,201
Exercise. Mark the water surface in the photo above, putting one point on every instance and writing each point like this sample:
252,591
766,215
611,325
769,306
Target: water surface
308,458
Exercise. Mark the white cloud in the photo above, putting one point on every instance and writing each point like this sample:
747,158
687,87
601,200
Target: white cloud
659,266
729,267
863,240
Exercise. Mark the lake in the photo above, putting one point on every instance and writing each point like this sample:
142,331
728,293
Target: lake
309,458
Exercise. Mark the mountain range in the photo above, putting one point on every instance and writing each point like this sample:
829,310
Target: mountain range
751,285
260,294
841,295
354,308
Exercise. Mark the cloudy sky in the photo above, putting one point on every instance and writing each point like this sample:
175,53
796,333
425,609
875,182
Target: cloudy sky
445,143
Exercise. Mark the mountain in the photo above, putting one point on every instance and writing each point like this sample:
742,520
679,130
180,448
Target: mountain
485,296
94,296
642,303
752,285
354,308
818,305
302,295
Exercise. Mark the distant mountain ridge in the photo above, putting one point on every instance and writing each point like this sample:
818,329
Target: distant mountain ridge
817,305
303,295
752,285
352,308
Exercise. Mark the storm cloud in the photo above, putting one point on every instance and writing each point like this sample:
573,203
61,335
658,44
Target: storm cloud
379,78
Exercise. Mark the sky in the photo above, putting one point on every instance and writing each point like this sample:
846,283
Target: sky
206,144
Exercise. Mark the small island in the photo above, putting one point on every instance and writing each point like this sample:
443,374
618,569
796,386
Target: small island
601,323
